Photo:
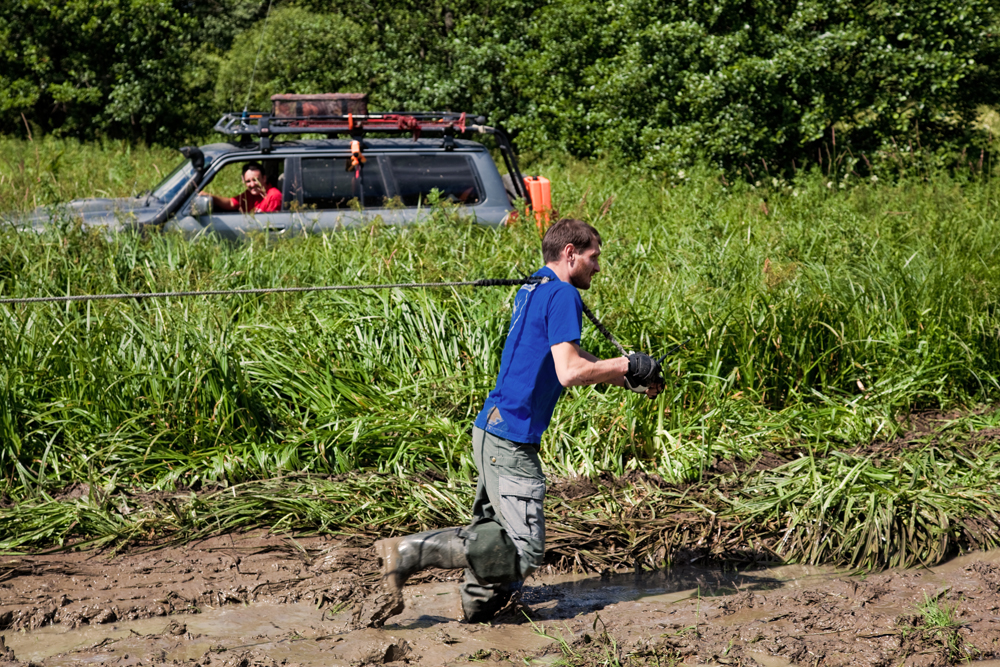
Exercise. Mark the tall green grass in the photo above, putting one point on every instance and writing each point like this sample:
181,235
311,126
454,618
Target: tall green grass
818,317
50,170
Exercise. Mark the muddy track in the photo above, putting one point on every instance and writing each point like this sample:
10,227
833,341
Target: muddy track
255,599
157,603
73,588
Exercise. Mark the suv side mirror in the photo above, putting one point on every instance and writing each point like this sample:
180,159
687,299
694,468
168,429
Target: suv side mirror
202,205
197,158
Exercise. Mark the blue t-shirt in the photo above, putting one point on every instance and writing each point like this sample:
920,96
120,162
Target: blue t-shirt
527,386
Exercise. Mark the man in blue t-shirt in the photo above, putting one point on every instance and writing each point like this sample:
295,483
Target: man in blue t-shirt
506,540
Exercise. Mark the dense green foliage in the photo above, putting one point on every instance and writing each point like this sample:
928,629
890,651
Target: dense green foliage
120,68
750,81
819,316
661,84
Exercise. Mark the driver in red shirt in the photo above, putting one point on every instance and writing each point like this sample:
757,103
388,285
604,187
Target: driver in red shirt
259,197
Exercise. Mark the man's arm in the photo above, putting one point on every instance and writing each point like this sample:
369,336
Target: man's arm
220,203
576,368
618,381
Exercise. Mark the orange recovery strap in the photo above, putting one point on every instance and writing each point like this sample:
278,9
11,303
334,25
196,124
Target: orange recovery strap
357,158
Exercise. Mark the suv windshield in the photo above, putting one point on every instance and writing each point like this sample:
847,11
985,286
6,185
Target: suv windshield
170,185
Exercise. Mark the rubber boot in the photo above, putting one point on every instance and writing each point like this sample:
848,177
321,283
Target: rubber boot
481,601
406,555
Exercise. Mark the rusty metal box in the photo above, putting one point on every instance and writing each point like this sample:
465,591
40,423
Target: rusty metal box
320,104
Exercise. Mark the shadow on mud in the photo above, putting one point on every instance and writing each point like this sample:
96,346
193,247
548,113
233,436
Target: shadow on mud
568,596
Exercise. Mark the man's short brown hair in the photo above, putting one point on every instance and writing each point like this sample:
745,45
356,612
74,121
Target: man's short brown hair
564,232
254,166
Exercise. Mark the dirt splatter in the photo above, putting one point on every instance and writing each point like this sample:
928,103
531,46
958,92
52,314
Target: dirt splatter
989,575
6,654
765,461
374,610
572,488
382,653
929,428
251,658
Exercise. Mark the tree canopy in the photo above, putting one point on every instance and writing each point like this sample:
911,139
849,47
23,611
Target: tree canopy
660,84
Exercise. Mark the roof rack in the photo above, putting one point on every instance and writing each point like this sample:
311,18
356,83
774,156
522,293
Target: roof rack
246,123
266,125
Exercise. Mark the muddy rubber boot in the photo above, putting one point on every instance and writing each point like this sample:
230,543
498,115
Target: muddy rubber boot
482,601
406,555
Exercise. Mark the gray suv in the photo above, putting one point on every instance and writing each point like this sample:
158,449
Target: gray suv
348,176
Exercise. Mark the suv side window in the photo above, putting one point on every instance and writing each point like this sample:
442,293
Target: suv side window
328,183
453,175
227,182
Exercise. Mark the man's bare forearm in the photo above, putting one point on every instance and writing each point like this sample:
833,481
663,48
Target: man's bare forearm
618,380
577,368
223,203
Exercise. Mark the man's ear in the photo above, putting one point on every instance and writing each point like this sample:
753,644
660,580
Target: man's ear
569,252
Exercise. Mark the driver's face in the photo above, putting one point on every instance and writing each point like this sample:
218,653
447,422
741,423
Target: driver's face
255,181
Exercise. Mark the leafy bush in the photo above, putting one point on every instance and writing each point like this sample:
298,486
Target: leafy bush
744,83
124,68
300,51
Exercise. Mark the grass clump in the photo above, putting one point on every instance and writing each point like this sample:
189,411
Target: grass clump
916,509
816,320
936,614
936,624
50,170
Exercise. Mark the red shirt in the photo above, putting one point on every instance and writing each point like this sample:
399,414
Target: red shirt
250,202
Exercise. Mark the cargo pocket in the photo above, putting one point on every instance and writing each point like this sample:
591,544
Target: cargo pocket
522,506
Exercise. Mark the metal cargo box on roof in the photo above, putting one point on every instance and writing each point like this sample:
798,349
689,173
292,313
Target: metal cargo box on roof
320,104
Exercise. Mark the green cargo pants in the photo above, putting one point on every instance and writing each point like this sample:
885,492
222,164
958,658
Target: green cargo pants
507,534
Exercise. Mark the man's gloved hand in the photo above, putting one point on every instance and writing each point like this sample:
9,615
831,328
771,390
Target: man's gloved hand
643,372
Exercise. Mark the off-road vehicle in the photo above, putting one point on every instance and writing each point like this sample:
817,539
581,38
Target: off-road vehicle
335,165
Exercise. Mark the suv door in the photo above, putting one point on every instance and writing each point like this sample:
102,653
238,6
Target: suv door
397,188
453,175
328,192
237,224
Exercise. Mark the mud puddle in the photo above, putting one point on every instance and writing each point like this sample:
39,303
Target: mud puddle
427,631
296,633
260,600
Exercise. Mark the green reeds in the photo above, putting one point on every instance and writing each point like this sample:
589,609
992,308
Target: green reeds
816,320
916,509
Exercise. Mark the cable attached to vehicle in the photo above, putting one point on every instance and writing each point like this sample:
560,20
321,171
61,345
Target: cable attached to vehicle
483,282
253,74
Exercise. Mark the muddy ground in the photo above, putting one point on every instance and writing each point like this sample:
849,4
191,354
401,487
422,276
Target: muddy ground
256,599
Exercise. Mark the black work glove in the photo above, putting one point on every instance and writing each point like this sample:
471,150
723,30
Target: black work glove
643,371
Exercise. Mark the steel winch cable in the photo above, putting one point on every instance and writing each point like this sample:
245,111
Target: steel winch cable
483,282
260,46
603,329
